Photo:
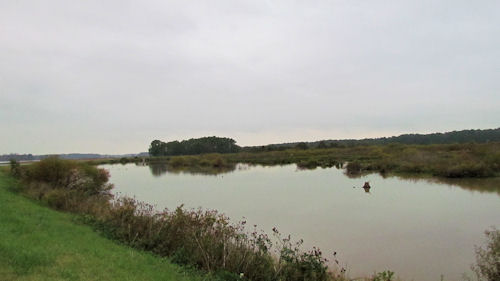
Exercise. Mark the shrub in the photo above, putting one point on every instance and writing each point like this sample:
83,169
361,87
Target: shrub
70,175
487,267
207,240
56,198
15,168
51,170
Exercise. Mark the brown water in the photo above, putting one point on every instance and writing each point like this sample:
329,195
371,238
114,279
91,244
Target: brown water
420,229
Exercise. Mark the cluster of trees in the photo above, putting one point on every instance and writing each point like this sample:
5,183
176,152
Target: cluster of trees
193,146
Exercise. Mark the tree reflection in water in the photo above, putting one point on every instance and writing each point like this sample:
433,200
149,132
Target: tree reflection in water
476,184
162,168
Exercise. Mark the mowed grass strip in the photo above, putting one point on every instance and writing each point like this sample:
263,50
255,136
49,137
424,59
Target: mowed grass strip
37,243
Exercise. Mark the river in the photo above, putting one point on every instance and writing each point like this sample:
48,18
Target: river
421,229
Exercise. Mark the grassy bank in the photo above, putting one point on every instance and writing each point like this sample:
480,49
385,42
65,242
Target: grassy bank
37,243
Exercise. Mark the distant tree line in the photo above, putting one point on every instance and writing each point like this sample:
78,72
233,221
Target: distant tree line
464,136
193,146
17,157
30,157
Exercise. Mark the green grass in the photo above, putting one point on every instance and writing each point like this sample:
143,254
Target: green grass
37,243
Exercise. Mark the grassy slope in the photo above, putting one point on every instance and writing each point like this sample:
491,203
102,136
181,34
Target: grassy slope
37,243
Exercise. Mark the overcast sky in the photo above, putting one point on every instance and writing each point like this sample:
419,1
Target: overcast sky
111,76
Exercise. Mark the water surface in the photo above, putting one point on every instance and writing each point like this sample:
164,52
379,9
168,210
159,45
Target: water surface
418,228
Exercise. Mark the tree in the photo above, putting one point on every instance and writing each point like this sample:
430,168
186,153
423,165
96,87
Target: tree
157,148
174,148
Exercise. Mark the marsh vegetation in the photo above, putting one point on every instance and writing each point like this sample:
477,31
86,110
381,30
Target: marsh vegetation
444,160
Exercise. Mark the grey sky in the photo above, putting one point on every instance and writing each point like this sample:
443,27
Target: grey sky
110,76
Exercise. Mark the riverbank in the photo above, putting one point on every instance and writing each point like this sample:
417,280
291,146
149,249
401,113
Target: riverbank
37,243
201,239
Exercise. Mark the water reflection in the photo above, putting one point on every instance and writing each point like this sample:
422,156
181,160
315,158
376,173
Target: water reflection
311,165
490,185
162,168
482,185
